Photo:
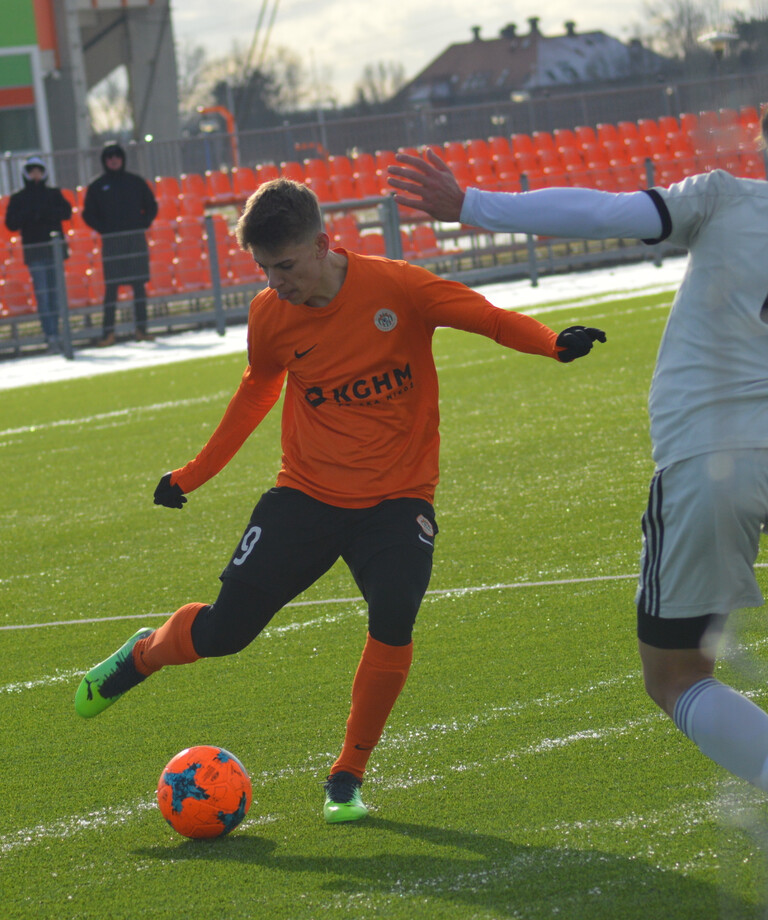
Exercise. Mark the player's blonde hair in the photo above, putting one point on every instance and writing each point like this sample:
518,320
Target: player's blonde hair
279,213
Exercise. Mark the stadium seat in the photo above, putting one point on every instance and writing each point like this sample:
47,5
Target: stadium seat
499,146
477,148
647,127
340,166
191,273
425,241
291,169
607,133
167,187
627,130
522,143
585,135
265,172
161,281
564,138
344,188
162,231
688,122
367,185
192,184
189,229
244,182
344,232
325,192
668,125
363,163
218,187
373,244
316,168
454,152
16,294
78,275
749,117
242,268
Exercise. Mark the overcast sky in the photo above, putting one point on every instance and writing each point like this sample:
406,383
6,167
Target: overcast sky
337,38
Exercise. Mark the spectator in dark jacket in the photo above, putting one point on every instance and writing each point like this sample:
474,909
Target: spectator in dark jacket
37,212
120,206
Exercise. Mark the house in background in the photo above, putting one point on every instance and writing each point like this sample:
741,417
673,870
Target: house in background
489,70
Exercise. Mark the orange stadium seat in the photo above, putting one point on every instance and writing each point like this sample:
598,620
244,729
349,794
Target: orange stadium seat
265,172
218,187
585,135
564,138
522,143
340,165
343,188
607,133
167,187
316,168
499,146
373,244
244,182
322,188
477,148
292,169
16,294
454,152
189,228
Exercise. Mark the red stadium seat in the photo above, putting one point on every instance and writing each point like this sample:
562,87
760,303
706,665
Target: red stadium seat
340,166
244,182
218,187
291,169
316,168
265,172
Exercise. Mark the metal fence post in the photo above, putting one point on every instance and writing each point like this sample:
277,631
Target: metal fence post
533,269
390,226
62,304
213,262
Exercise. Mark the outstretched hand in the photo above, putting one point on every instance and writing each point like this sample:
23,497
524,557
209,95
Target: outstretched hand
169,495
430,184
576,341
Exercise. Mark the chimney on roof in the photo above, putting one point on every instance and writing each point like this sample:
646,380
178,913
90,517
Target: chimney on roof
476,33
533,22
509,31
570,28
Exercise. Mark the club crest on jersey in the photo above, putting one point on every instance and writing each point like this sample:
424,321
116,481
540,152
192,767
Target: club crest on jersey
426,525
385,320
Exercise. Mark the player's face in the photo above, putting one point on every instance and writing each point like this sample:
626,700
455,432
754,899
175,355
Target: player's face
295,272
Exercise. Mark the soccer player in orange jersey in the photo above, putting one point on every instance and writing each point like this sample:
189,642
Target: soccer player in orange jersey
352,337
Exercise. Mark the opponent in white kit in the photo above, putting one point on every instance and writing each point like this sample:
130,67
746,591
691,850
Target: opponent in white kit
709,421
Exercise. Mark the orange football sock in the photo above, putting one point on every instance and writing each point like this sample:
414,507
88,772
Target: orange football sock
170,644
380,677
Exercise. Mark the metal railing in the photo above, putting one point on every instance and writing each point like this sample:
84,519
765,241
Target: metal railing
218,294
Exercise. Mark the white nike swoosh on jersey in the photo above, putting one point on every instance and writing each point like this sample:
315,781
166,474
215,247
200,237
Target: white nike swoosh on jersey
424,540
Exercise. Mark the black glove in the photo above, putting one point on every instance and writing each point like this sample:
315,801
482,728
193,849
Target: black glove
169,495
576,341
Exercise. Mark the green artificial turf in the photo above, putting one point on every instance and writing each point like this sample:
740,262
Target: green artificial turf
523,773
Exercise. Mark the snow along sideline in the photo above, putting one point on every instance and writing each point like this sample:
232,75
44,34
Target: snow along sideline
553,292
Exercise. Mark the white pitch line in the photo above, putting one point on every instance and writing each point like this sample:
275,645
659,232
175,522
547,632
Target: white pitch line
320,602
442,592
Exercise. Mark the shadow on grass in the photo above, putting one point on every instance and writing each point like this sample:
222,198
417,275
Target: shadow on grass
385,861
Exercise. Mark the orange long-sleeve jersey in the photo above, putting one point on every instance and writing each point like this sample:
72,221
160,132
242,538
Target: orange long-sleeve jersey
360,416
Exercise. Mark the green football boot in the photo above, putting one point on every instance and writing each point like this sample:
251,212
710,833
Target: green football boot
343,801
106,682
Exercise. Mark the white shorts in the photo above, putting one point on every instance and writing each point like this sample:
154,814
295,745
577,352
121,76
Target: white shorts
701,534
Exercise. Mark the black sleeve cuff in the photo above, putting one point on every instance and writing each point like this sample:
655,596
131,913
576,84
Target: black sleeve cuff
666,220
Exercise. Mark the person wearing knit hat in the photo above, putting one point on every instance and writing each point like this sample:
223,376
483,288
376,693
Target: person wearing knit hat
120,206
37,211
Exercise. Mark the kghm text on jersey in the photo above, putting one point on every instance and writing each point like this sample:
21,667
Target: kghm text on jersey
387,385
